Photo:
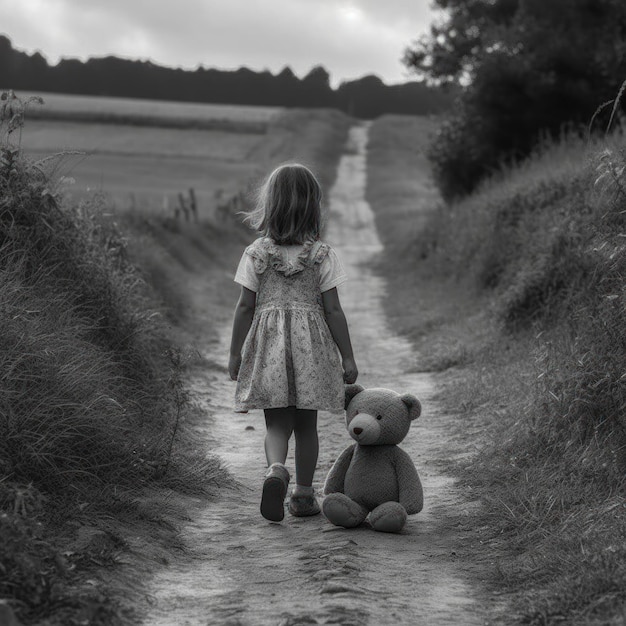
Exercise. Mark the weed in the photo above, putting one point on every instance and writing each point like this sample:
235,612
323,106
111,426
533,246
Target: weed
180,397
12,114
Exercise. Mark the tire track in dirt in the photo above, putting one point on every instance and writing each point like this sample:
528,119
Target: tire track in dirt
246,571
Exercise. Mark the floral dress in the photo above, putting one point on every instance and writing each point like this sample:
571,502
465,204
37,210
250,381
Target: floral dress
289,357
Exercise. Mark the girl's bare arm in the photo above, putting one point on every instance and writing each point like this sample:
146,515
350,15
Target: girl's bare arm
244,312
338,326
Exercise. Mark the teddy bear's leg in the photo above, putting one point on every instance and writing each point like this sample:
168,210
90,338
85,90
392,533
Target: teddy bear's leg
342,511
389,517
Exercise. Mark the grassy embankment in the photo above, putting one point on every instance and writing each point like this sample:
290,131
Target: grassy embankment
517,295
95,413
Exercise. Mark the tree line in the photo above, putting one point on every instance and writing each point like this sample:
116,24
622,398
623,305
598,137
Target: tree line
367,97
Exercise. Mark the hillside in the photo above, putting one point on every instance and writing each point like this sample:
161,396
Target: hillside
515,296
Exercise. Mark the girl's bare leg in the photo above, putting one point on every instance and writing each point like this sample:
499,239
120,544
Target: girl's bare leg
279,424
307,446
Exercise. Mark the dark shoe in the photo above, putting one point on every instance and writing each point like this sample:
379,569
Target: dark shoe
274,492
304,506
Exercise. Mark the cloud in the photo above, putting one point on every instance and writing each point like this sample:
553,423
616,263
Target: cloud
349,37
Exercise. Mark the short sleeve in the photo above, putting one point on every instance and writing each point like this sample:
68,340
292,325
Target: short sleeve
245,275
332,273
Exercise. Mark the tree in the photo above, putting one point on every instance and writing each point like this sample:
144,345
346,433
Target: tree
452,50
112,76
315,88
527,67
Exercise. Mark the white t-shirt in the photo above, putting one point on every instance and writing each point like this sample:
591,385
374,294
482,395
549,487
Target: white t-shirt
332,273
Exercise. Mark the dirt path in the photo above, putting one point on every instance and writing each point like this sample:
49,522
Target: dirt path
305,571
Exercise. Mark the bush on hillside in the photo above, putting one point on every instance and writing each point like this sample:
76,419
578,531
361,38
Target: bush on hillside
545,242
90,401
459,154
78,344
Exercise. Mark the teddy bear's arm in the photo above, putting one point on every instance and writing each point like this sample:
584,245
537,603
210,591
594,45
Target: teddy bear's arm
336,476
410,487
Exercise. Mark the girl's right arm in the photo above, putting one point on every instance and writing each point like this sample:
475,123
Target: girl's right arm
336,320
244,312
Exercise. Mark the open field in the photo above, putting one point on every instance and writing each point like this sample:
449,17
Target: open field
144,167
147,166
140,167
160,112
47,136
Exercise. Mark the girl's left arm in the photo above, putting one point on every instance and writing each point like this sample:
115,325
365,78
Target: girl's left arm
244,312
336,320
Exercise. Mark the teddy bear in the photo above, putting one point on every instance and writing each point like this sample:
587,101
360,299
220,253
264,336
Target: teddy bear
374,477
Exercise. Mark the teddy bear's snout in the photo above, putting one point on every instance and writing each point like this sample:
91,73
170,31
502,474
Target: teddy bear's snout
364,428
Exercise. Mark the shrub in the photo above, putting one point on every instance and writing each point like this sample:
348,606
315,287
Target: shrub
90,389
457,156
77,345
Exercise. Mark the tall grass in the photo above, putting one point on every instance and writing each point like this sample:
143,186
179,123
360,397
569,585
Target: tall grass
90,402
532,267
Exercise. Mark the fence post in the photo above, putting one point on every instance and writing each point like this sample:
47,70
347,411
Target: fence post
183,206
193,204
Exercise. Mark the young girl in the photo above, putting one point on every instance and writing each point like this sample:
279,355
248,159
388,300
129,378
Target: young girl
287,328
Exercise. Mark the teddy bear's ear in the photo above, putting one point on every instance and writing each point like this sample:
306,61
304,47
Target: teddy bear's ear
413,404
351,391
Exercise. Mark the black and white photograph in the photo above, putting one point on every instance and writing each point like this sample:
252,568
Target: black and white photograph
313,312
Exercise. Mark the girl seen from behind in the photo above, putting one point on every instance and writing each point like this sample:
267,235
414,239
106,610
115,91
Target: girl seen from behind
289,331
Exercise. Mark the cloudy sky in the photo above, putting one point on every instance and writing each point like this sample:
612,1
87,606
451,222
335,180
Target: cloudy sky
351,38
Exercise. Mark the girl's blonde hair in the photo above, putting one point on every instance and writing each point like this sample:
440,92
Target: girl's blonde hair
288,207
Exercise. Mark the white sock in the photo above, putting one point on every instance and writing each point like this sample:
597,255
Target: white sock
301,490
